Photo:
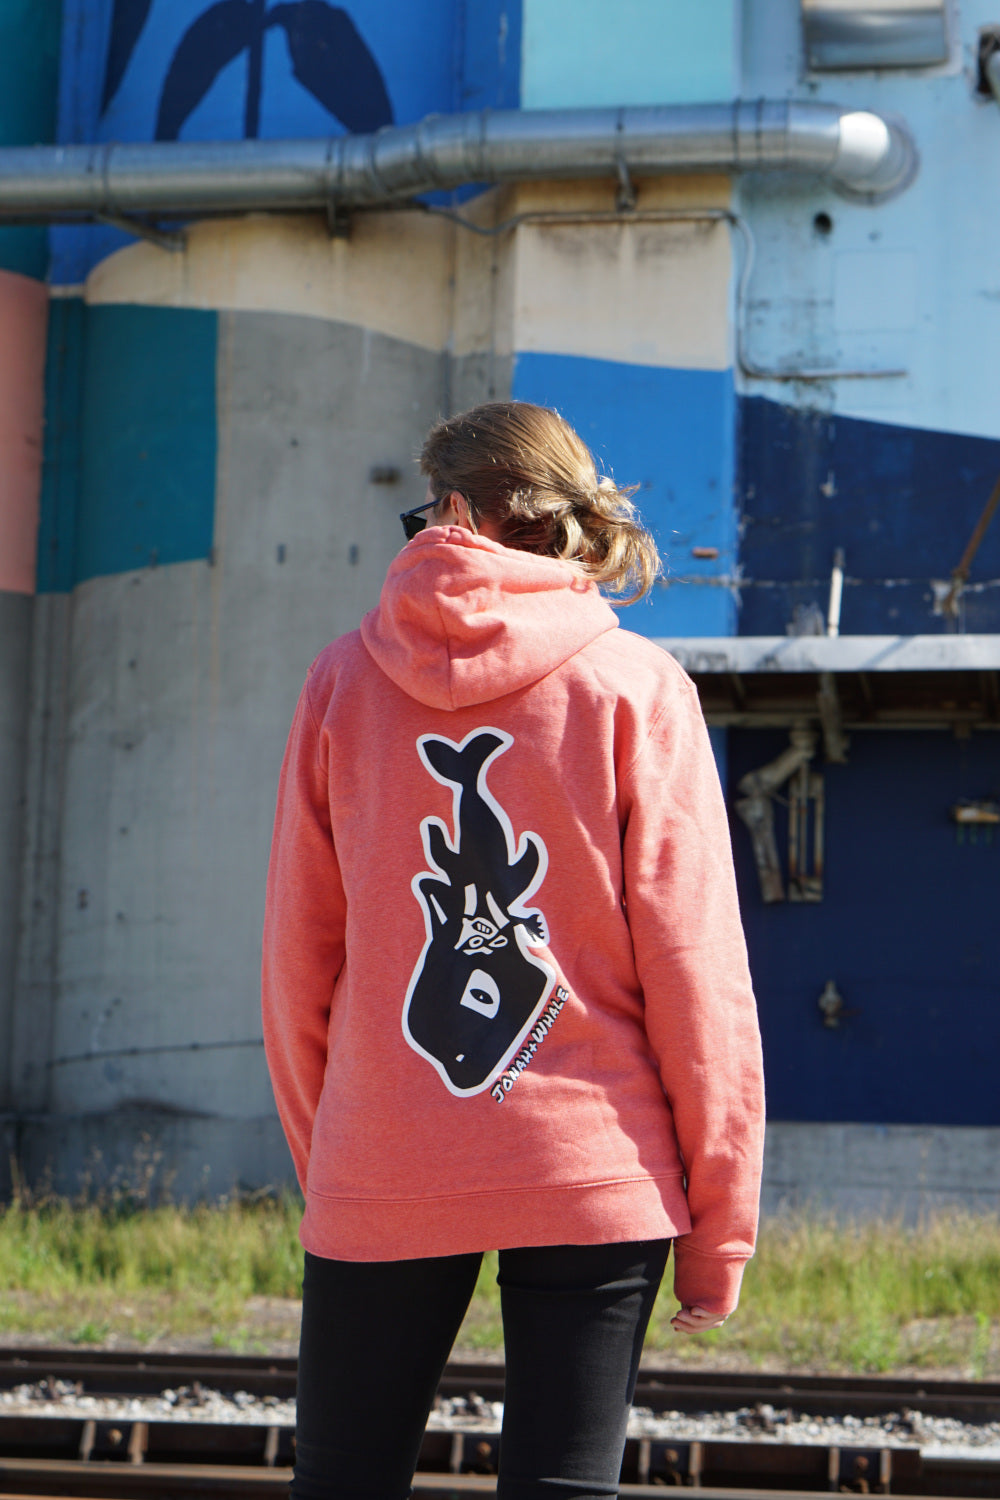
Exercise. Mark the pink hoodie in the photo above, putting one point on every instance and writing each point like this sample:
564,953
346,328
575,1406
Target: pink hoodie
506,996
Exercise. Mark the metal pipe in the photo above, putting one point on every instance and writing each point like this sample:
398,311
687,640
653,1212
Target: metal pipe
991,69
836,593
862,153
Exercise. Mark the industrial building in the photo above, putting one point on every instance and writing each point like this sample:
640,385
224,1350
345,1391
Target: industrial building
248,253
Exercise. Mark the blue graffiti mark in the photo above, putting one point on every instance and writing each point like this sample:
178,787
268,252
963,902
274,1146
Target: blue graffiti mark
127,20
332,63
328,55
210,43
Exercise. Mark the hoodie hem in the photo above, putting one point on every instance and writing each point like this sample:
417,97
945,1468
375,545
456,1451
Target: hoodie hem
366,1229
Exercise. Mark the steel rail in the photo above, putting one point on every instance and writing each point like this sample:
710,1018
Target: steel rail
55,1478
84,1455
111,1458
112,1372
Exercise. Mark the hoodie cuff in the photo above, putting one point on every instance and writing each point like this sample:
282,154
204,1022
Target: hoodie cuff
708,1281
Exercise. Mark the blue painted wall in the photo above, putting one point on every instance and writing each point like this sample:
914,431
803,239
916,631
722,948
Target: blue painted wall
671,433
908,930
129,465
901,501
138,70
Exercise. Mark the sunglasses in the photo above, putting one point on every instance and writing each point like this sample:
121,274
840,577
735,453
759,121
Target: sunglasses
414,520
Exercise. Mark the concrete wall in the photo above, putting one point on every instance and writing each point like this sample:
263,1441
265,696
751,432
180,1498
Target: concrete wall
873,1171
178,683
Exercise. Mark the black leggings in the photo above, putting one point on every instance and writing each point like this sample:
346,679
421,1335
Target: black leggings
376,1335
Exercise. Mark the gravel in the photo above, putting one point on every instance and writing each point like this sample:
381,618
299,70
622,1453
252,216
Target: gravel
196,1403
935,1436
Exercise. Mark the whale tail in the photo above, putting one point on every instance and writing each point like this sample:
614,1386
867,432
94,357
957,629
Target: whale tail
460,767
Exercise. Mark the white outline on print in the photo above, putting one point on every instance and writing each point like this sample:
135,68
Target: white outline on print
517,909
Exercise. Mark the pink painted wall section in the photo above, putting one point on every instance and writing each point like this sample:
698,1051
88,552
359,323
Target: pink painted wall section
24,305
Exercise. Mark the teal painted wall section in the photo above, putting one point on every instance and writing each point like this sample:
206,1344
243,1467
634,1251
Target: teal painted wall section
129,475
61,447
586,52
29,76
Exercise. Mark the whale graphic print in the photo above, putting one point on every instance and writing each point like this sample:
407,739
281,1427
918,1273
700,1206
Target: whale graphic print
477,987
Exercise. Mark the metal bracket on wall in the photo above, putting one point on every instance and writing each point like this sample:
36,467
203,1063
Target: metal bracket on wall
805,820
835,741
165,239
973,818
805,853
625,199
338,221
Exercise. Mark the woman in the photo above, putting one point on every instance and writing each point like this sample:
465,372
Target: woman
506,996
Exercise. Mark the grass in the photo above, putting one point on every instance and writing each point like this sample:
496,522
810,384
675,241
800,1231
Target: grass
866,1297
117,1269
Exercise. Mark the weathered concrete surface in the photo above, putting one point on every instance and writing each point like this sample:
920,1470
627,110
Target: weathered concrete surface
150,1153
37,949
160,704
870,1171
180,689
15,652
850,1171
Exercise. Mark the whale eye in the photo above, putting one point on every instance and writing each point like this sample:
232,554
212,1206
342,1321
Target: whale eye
482,994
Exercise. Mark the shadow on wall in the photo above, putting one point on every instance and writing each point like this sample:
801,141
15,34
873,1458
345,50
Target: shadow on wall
146,1152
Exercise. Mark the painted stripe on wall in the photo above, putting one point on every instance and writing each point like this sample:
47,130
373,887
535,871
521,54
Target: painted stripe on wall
61,453
644,294
585,52
133,402
901,501
391,275
29,66
23,311
647,293
670,432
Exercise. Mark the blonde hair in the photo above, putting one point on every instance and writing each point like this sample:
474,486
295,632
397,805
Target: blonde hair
525,469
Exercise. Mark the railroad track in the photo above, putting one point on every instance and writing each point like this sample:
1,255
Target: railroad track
121,1458
113,1372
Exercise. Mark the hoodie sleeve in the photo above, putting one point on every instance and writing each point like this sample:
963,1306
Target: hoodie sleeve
304,923
701,1018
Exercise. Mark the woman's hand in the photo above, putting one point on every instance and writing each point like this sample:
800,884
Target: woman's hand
696,1320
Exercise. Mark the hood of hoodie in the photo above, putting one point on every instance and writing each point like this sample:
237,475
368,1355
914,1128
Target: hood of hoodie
463,620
